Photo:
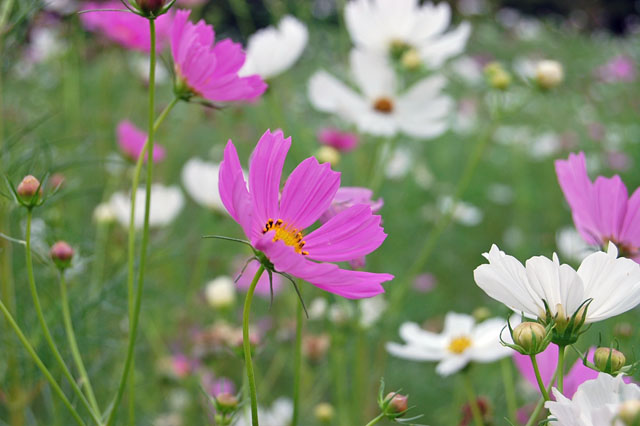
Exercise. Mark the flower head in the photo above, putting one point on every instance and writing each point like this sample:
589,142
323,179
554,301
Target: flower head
597,402
604,286
602,210
619,69
404,28
335,138
207,69
166,203
200,179
461,341
126,28
422,111
271,50
274,223
131,141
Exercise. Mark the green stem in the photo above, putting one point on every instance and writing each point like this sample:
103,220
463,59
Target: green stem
246,344
536,411
135,295
543,390
509,390
560,371
73,344
473,400
40,364
297,365
376,420
45,328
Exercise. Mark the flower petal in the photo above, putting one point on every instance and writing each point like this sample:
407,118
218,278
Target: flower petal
373,74
352,233
308,193
448,45
414,353
328,94
451,365
233,189
555,283
265,170
630,230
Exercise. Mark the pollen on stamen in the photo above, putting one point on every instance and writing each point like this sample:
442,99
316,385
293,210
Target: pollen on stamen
287,234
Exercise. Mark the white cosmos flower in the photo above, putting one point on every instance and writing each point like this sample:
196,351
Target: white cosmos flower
271,51
597,402
461,341
571,245
422,111
381,25
280,414
200,179
166,203
220,292
612,283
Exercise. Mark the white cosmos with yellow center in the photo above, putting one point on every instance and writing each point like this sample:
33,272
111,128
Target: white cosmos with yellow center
461,341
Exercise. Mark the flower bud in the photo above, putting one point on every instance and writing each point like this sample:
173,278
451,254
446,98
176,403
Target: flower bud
324,412
150,7
399,403
481,313
29,189
530,336
328,154
549,74
103,213
411,60
629,412
61,254
226,402
57,180
220,292
609,360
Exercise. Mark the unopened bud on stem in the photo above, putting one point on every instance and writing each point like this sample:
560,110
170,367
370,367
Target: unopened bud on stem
29,189
61,254
609,360
529,335
399,403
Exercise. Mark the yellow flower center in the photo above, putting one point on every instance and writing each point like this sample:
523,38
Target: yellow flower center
459,344
286,233
383,105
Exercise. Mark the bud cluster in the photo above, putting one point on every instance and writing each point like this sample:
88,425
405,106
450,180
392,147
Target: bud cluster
566,329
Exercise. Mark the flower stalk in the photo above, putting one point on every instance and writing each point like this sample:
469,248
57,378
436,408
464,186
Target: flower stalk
560,371
543,389
246,345
473,400
297,365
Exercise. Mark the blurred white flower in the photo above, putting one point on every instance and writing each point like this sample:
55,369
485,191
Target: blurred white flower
465,213
318,308
500,193
399,164
60,6
549,73
571,245
612,284
545,145
200,179
421,112
461,341
280,414
139,63
103,213
468,69
220,292
340,312
166,203
597,402
271,50
383,26
371,310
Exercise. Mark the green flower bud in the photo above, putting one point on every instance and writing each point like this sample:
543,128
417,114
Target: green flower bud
324,412
531,336
549,74
609,360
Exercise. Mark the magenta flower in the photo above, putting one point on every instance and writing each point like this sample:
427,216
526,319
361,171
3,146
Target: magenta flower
342,141
548,362
274,223
602,210
131,141
207,69
619,69
125,28
263,288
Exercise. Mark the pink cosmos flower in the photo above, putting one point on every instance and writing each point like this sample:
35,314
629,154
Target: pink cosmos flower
342,141
126,28
602,210
208,69
131,141
619,69
274,223
548,362
263,288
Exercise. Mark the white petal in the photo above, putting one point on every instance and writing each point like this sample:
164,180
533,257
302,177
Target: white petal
505,280
458,324
451,365
555,283
430,21
435,53
414,335
373,74
413,353
328,94
200,179
166,203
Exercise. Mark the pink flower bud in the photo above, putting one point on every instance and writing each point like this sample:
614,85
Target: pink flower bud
28,188
399,403
61,254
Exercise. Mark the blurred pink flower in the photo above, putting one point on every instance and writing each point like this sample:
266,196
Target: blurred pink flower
126,28
424,283
619,161
342,141
263,288
217,385
181,365
619,69
548,362
131,141
208,69
274,223
602,210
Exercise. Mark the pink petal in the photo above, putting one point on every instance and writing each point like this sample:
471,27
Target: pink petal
352,233
547,363
327,276
233,190
265,170
630,230
610,206
131,141
308,193
578,374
